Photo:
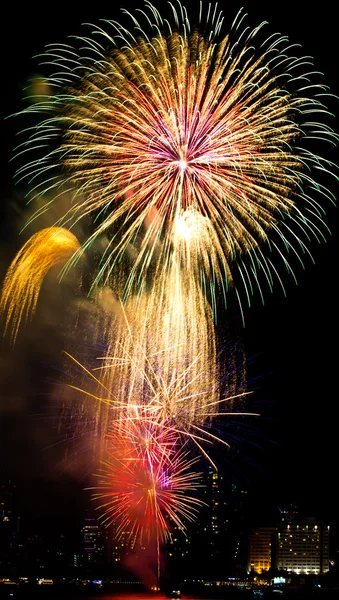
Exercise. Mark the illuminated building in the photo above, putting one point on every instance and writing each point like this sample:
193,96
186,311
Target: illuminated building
260,549
93,542
123,544
216,545
303,548
295,545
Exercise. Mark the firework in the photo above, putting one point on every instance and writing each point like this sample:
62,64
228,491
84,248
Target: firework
144,484
45,249
165,388
189,153
185,119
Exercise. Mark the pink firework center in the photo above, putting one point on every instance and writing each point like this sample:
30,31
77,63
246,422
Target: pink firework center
147,484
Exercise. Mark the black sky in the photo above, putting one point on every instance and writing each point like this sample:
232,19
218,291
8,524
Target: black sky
293,340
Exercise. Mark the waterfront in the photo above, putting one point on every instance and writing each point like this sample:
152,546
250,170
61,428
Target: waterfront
227,593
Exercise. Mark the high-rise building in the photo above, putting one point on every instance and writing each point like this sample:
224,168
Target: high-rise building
93,542
295,545
123,543
303,548
260,549
215,544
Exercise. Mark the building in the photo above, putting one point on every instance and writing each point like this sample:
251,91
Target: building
260,549
215,544
93,542
303,548
294,545
123,543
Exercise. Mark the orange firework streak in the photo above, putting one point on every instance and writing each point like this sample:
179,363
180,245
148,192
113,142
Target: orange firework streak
21,288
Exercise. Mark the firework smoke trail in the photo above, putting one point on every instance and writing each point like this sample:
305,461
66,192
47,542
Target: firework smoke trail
179,119
21,288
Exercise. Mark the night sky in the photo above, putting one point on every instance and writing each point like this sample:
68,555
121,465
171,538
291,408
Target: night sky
290,343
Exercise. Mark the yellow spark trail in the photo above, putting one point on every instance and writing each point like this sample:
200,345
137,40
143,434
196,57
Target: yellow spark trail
45,249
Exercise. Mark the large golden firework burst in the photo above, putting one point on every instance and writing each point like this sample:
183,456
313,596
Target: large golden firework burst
159,120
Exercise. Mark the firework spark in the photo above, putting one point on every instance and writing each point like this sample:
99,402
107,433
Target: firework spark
144,484
45,249
161,387
184,119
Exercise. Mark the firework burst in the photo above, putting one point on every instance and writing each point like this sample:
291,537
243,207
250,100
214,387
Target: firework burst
144,484
185,119
163,388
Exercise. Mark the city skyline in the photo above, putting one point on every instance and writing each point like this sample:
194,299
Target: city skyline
223,541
